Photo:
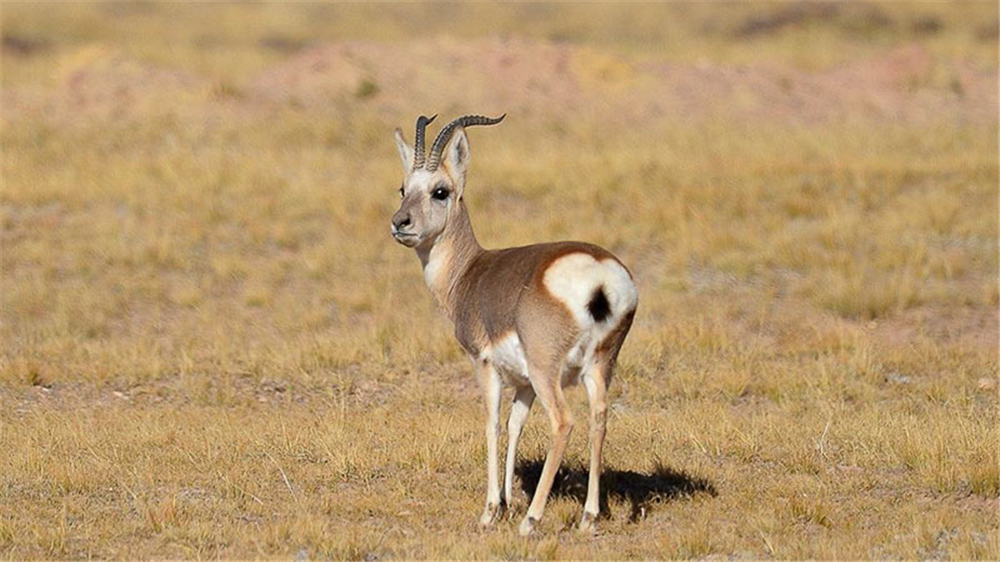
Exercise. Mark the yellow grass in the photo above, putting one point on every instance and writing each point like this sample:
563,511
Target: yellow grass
211,348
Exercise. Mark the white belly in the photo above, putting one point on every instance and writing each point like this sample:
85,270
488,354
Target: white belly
507,357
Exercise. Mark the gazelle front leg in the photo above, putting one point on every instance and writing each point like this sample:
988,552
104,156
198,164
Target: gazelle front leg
490,381
519,409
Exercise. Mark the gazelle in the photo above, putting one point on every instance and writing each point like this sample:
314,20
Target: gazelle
537,318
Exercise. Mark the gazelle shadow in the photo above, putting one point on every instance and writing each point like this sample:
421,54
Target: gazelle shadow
639,490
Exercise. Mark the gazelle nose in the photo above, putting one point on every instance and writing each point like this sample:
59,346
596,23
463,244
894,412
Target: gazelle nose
401,221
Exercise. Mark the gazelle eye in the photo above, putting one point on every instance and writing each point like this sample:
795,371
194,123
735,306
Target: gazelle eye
440,194
401,192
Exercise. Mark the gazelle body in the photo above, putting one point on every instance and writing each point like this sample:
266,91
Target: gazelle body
536,318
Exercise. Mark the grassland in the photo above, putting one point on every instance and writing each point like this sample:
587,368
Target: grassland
211,348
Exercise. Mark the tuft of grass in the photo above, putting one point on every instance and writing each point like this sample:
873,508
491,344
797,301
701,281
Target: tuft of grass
366,89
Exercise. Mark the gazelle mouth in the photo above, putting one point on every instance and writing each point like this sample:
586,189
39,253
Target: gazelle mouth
405,238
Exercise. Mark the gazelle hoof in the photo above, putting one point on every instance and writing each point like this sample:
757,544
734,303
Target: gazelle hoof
527,526
588,523
491,515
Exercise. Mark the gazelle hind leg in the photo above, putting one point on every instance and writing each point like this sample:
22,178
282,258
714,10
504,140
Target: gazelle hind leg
597,382
519,409
561,420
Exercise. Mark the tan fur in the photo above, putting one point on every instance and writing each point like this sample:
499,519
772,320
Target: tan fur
508,320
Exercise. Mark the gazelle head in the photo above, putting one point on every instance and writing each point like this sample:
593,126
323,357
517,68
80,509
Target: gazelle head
433,186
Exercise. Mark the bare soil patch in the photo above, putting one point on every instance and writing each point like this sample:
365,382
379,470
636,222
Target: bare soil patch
559,80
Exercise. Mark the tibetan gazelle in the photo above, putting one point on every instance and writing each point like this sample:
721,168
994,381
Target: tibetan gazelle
537,318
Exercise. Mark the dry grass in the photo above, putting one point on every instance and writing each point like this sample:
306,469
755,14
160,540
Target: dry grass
211,348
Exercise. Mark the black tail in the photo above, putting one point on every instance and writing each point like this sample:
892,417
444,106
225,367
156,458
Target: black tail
598,306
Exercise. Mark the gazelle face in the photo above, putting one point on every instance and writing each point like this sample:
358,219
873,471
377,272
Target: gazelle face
430,196
428,200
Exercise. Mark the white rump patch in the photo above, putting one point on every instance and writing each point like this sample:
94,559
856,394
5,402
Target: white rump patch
574,278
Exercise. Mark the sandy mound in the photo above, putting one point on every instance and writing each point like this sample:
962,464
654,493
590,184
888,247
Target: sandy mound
491,75
911,84
557,80
100,83
532,79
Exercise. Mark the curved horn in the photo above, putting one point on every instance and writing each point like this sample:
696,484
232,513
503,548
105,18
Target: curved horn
445,135
418,142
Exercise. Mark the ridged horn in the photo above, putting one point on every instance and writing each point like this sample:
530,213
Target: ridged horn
445,135
418,142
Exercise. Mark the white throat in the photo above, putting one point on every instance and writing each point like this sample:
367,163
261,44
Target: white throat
435,265
436,262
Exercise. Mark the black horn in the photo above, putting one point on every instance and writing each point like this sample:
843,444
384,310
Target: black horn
445,135
418,142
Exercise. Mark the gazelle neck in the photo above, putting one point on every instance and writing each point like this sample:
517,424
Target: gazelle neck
448,258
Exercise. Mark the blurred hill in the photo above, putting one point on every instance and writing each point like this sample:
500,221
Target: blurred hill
772,62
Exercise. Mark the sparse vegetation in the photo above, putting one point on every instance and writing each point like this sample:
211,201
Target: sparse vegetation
210,347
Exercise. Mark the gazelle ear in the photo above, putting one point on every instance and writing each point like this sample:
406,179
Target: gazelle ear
456,155
405,151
